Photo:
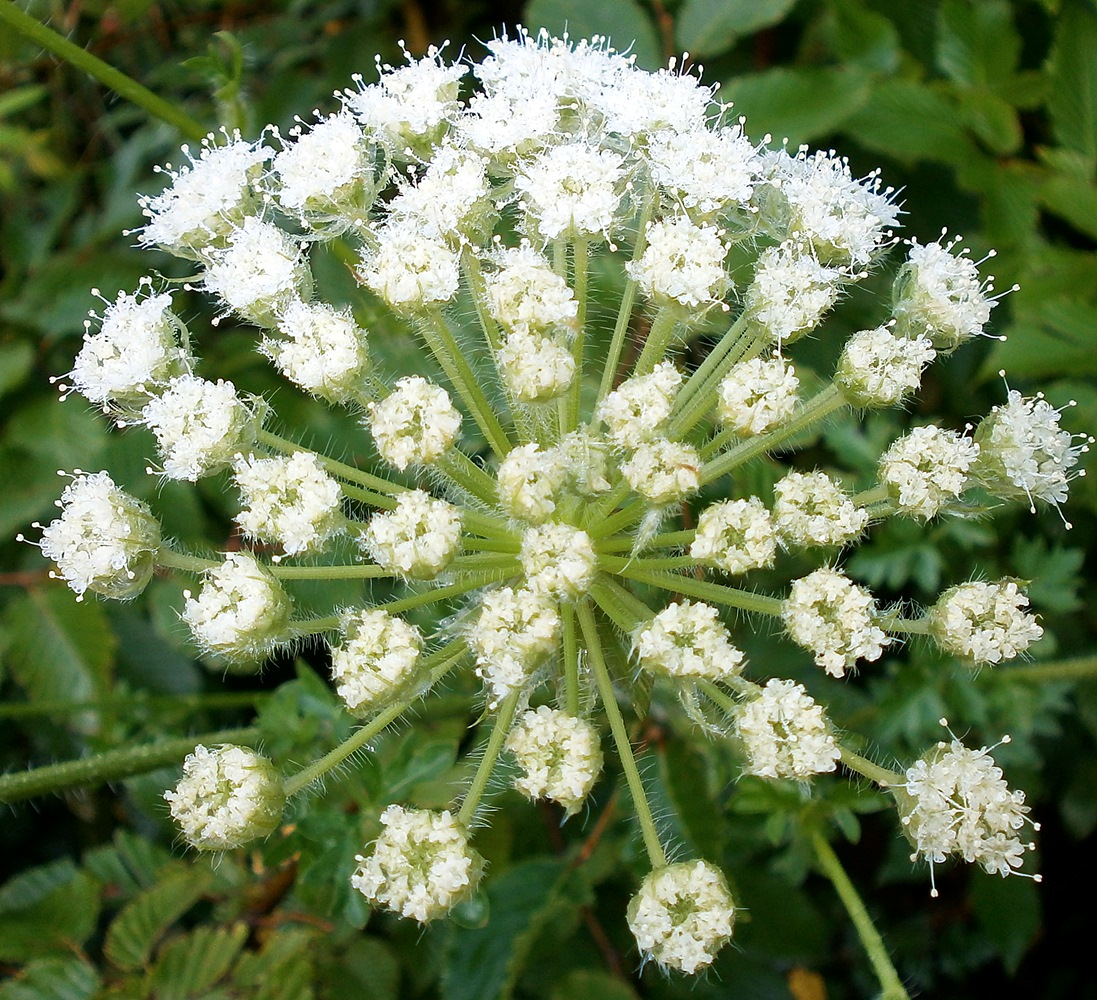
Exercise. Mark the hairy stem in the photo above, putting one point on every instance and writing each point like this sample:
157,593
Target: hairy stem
501,727
874,772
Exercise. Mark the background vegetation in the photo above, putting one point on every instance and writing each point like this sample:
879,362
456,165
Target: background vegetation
983,111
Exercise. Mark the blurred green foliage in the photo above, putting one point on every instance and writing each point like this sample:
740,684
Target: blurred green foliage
984,113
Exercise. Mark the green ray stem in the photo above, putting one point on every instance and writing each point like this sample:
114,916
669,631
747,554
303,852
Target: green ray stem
866,768
171,559
500,728
580,249
358,571
696,397
658,340
664,540
732,597
593,642
335,467
571,660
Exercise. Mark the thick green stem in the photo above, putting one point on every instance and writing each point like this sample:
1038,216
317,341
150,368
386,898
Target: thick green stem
443,660
621,606
468,475
571,660
359,571
170,559
113,765
814,410
79,58
874,772
664,540
593,641
1083,668
501,727
615,564
906,626
732,597
890,983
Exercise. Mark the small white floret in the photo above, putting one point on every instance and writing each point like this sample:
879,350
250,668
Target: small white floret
560,757
758,395
682,263
785,733
879,368
927,469
416,424
515,631
558,560
663,471
418,539
984,622
639,408
688,639
376,661
810,508
735,536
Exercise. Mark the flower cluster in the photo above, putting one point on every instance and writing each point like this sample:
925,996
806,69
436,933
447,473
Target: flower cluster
578,500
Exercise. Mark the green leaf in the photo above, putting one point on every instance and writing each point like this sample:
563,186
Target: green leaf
1054,572
1072,102
864,37
1055,338
485,962
52,979
993,120
191,964
624,22
20,98
977,44
798,104
283,970
683,782
44,917
1008,909
128,865
1072,200
910,121
420,761
135,931
16,360
705,27
592,983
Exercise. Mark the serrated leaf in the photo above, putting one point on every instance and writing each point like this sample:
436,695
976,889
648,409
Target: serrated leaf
128,865
1072,200
910,121
592,983
977,44
704,27
142,922
189,965
864,37
485,962
993,120
798,104
1072,102
52,979
283,970
622,21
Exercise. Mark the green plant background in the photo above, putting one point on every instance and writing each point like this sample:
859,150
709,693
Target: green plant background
984,112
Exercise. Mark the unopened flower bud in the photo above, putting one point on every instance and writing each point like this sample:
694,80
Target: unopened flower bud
375,663
984,622
785,733
688,639
417,539
560,757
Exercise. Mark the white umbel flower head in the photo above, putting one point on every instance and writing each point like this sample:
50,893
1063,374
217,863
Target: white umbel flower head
421,866
207,199
735,536
828,614
529,482
682,263
329,175
416,424
227,797
259,273
757,395
940,295
134,351
955,801
688,639
984,622
450,200
785,733
560,757
558,560
878,368
200,426
289,500
241,612
525,294
375,663
663,471
571,190
644,105
706,170
417,539
535,367
513,634
682,915
927,469
810,508
639,408
790,292
105,540
409,270
322,350
1023,452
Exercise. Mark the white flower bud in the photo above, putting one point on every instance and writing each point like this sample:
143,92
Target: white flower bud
200,426
417,539
421,866
757,395
828,614
409,270
558,560
514,633
571,189
290,501
785,733
878,368
926,469
375,663
810,508
735,536
105,540
535,368
134,351
683,263
525,294
259,273
704,169
416,424
688,639
587,460
790,292
227,797
241,613
663,471
529,482
955,801
984,622
325,351
682,915
639,408
559,754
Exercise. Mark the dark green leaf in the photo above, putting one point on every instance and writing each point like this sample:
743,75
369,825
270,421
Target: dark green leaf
993,120
910,121
128,865
1073,200
1073,99
864,37
54,924
1055,339
15,364
705,27
52,979
622,21
590,984
189,965
977,44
